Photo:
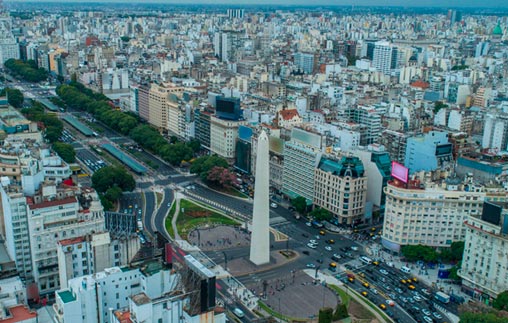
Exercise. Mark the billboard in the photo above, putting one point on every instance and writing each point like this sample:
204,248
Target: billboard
400,172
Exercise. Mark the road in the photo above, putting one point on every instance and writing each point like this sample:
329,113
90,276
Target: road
159,219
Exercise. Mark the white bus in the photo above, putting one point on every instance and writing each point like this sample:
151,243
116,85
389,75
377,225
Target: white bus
366,260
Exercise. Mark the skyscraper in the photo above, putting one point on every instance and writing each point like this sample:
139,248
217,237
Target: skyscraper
382,58
260,241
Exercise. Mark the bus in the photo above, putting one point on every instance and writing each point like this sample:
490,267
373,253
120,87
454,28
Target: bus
366,260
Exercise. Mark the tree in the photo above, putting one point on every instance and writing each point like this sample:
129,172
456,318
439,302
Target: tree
220,177
419,252
204,164
113,193
321,214
457,250
469,317
501,302
14,97
300,204
65,151
438,105
111,176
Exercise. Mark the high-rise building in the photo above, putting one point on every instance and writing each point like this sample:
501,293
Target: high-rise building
340,186
395,144
227,45
301,156
371,119
305,62
223,136
382,57
9,48
236,13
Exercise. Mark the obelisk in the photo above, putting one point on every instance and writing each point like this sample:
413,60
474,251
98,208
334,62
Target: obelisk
260,239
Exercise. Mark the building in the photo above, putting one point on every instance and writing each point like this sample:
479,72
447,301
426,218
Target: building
146,292
382,57
371,119
484,269
93,253
395,144
304,62
160,105
202,121
223,136
428,152
340,186
301,156
495,132
288,118
9,48
227,45
377,164
430,214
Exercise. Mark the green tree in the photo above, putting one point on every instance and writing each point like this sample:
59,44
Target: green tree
321,214
14,97
501,302
65,151
457,250
453,272
438,105
419,252
469,317
204,164
113,193
325,315
300,204
111,176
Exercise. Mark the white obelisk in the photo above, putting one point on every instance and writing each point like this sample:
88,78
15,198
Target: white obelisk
260,239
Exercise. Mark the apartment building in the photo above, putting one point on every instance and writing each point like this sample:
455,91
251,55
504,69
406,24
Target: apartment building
223,136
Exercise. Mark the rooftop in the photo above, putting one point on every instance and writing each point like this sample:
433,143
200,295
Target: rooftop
78,125
124,158
46,204
66,296
19,313
140,299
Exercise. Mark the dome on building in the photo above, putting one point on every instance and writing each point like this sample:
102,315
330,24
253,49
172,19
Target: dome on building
497,30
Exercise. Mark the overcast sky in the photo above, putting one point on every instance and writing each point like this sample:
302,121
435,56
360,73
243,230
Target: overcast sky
408,3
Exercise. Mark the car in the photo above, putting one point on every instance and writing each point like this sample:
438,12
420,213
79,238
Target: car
428,319
374,291
425,291
320,261
351,279
375,263
238,312
437,315
335,258
318,237
389,313
417,298
364,293
328,248
398,290
403,299
382,306
330,241
313,241
306,252
322,232
426,312
354,248
416,309
366,285
308,224
312,246
403,281
383,271
390,302
273,205
411,300
310,265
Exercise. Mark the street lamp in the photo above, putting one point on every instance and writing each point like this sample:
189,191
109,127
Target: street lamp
225,260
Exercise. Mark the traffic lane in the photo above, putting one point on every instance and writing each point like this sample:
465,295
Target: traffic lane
159,223
149,207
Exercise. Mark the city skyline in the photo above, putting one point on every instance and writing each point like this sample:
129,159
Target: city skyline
359,3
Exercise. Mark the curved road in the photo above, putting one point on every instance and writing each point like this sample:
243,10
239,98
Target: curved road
158,220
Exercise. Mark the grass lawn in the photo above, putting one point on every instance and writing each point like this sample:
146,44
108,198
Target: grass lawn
188,220
169,227
277,314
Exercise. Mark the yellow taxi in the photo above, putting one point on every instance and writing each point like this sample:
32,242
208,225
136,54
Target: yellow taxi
403,281
322,232
366,285
411,287
375,263
382,306
364,293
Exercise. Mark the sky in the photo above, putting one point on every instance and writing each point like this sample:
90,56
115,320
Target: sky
405,3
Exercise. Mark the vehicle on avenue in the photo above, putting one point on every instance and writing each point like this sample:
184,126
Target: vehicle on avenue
383,271
312,246
310,265
328,248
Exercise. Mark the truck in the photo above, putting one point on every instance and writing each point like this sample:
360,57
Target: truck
442,297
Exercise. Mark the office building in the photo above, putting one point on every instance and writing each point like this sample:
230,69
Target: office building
377,164
382,57
340,186
430,214
371,119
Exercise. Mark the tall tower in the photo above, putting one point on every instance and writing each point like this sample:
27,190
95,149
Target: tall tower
260,240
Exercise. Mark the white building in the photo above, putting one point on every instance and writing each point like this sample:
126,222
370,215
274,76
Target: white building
382,59
495,132
223,136
484,267
431,215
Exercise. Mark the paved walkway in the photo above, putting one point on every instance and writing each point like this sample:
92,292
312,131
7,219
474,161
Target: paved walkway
219,237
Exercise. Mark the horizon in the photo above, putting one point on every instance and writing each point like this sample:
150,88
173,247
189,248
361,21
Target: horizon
317,3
